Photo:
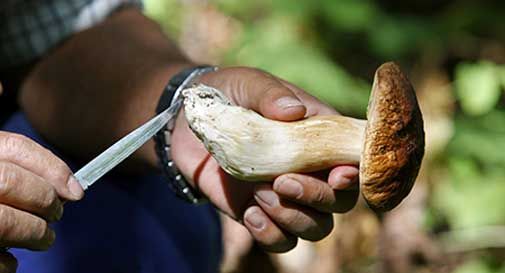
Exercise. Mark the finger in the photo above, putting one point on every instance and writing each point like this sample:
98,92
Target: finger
268,235
205,174
344,177
314,105
313,192
301,221
30,155
257,90
8,263
24,230
22,189
273,100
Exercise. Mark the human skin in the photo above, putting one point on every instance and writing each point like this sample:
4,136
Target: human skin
34,184
118,81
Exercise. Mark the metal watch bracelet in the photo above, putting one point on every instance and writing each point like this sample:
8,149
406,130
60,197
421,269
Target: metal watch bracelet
172,95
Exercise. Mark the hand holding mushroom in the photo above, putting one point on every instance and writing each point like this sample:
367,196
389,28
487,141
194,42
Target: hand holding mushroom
297,155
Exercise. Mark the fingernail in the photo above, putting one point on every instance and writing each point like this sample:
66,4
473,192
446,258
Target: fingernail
75,188
289,187
267,196
51,236
59,212
255,219
345,178
287,102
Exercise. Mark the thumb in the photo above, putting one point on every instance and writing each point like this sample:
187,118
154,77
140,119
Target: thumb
273,100
257,90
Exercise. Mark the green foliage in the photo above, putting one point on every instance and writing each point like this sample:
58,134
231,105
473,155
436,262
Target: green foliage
399,36
478,86
481,138
276,46
168,13
350,15
476,163
479,266
473,198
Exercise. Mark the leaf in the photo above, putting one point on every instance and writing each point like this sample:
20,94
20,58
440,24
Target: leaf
350,15
473,196
474,266
502,76
478,87
480,138
276,46
168,13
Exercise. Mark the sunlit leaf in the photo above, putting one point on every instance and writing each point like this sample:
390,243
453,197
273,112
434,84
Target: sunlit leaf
478,203
168,13
480,138
244,9
478,87
474,266
502,76
350,15
276,46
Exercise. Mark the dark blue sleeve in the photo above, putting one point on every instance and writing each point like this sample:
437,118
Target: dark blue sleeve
126,224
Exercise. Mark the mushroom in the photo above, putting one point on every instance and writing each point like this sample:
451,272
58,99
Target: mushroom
388,146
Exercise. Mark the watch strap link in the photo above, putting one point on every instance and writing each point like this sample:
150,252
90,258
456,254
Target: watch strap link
170,96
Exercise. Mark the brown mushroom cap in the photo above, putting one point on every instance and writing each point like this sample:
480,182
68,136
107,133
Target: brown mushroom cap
394,140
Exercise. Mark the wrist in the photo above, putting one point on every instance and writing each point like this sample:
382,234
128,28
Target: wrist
95,93
171,102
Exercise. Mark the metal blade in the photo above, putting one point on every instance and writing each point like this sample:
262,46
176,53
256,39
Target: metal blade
118,152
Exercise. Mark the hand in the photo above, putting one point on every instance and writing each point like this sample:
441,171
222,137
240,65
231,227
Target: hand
295,205
33,186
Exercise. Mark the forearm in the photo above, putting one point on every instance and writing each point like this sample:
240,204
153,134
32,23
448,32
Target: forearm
101,84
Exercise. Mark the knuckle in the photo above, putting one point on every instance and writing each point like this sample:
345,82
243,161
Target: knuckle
40,231
320,195
280,244
39,227
59,172
13,142
254,74
8,178
6,220
270,89
292,218
49,200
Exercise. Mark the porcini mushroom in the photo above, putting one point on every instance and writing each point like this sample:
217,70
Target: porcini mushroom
388,146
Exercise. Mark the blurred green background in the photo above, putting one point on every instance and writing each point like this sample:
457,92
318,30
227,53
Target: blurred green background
454,53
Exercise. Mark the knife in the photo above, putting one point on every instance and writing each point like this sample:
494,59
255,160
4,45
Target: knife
120,150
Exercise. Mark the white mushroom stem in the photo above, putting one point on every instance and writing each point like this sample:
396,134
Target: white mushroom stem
251,147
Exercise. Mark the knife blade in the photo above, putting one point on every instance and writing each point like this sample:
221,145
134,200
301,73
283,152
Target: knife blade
120,150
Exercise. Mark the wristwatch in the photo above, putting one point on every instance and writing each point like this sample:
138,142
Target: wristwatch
171,96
